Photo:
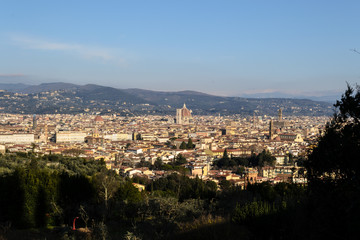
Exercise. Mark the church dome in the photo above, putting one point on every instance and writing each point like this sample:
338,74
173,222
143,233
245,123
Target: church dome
185,112
98,119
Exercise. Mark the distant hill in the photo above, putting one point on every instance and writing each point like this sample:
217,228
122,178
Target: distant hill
71,98
96,92
44,87
330,96
13,87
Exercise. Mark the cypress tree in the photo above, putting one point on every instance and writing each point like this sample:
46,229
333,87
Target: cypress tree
183,145
190,144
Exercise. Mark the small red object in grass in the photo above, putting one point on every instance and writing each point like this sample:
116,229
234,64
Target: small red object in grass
74,223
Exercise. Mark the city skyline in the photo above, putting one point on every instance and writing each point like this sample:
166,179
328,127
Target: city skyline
224,48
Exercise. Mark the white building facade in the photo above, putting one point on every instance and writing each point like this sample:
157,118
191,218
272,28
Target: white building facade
70,137
20,138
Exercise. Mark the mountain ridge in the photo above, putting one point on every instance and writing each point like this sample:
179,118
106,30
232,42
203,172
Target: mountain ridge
26,88
71,98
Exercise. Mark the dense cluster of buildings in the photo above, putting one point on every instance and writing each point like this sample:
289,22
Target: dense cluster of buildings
124,142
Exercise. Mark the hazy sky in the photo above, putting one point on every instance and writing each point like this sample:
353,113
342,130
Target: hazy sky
222,47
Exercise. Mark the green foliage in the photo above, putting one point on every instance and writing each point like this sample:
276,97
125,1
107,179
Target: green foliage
252,210
47,190
28,195
240,170
183,145
128,193
56,189
183,187
100,231
73,165
158,163
335,159
225,185
174,167
190,144
244,161
262,159
140,180
333,170
83,215
180,160
264,191
144,163
225,162
106,184
225,155
131,236
73,152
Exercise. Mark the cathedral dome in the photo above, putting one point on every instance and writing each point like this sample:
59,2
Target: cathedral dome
98,119
186,112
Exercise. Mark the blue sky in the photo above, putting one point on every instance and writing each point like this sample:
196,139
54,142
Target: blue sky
220,47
